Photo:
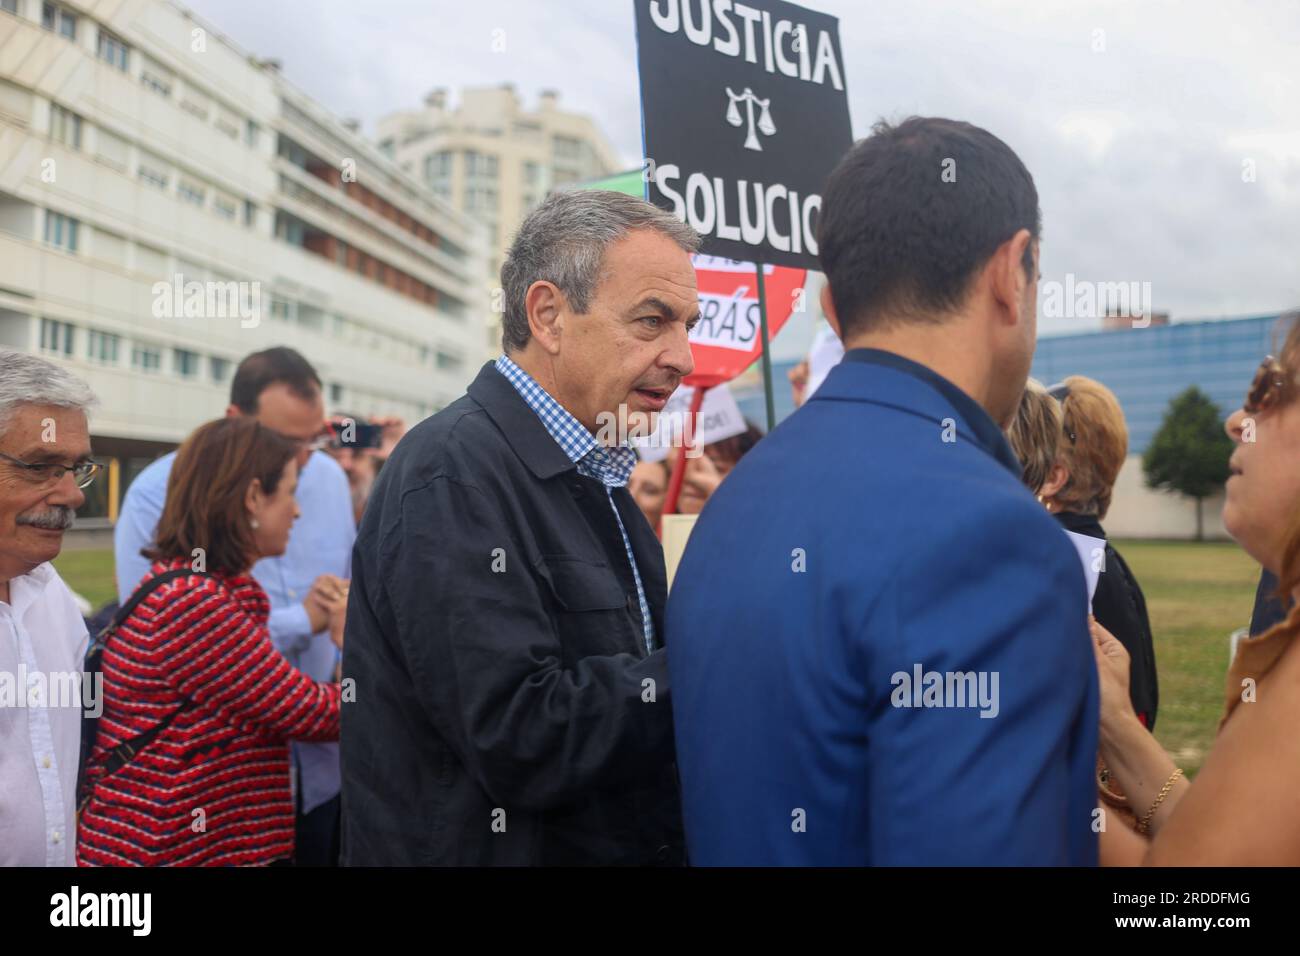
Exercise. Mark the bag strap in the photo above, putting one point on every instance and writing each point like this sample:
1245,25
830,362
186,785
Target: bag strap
121,755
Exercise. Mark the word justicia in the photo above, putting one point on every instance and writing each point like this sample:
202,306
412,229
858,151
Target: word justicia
179,299
775,41
923,688
79,689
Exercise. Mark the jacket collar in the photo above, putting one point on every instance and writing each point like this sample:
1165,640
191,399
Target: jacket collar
883,378
522,429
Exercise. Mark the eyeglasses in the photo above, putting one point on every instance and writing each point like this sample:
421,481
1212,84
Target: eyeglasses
1061,391
1270,388
51,473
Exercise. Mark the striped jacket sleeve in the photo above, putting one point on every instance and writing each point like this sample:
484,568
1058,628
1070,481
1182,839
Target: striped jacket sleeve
221,658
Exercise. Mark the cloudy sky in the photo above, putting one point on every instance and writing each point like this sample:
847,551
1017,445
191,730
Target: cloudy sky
1139,120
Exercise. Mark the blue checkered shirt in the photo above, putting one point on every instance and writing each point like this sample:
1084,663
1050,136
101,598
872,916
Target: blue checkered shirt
612,467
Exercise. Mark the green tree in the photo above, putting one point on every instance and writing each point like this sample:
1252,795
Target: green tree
1189,454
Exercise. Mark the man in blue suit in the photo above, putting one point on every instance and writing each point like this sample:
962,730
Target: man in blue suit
878,640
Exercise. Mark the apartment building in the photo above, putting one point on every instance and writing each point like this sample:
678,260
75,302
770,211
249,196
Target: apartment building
168,204
494,161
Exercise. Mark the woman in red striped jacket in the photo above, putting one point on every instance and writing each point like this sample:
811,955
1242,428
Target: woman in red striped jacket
211,787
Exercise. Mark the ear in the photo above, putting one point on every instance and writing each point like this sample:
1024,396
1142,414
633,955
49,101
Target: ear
545,304
828,309
1056,480
254,497
1006,276
232,411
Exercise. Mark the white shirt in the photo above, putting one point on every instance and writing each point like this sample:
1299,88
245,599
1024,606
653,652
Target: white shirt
43,642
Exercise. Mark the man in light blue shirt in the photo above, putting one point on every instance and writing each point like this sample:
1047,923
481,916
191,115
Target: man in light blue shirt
281,389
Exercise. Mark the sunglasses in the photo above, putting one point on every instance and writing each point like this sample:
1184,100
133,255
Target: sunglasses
1061,392
1271,387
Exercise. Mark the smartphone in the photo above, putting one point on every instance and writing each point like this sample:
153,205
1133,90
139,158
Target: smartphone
355,435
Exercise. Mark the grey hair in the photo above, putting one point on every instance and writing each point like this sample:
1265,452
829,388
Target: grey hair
31,380
564,240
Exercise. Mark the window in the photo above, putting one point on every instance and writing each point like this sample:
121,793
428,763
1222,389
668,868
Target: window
59,20
112,50
191,192
9,6
447,362
566,147
250,133
185,363
102,347
156,78
480,199
146,358
532,174
56,336
227,123
220,369
154,171
65,126
336,393
195,103
227,207
61,231
280,310
478,164
250,213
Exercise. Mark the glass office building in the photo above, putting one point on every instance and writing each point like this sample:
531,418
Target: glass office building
1146,368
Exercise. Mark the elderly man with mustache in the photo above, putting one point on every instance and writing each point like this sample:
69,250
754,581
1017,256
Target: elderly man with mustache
44,465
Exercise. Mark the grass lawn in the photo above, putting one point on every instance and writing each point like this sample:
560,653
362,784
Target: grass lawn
89,573
1197,594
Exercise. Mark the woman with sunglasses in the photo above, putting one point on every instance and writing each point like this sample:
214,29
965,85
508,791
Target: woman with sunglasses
1242,809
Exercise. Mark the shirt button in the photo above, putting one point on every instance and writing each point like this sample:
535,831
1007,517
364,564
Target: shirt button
56,836
45,761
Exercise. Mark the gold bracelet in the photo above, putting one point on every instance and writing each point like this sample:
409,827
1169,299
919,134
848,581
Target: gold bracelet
1145,823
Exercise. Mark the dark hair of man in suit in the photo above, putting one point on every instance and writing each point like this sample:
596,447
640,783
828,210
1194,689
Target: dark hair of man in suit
913,212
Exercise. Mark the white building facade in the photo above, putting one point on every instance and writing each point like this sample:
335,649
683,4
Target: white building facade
494,161
168,204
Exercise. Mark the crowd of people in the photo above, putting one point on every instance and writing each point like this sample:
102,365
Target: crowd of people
455,644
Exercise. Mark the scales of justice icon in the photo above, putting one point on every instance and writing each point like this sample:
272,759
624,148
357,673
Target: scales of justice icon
765,124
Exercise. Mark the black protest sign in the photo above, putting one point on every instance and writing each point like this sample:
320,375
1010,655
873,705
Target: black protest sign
745,113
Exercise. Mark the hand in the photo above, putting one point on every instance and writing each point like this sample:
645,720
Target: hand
1112,674
338,616
325,592
798,382
698,484
393,430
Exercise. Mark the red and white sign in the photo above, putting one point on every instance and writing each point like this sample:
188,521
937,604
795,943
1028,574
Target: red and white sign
727,340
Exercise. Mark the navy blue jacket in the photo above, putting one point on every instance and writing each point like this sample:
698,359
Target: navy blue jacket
506,710
852,554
